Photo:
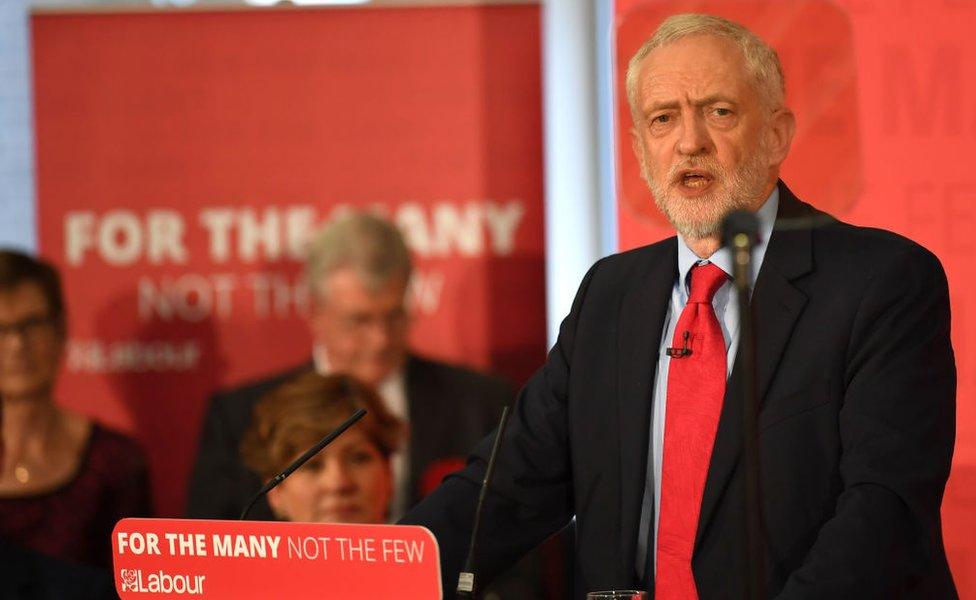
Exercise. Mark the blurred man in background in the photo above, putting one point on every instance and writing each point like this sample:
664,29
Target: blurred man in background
358,271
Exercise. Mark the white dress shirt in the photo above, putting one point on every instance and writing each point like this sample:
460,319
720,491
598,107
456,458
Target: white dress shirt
393,392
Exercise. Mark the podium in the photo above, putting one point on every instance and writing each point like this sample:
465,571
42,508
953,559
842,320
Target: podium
184,558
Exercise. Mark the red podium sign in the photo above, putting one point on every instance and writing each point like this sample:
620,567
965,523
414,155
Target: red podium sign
181,558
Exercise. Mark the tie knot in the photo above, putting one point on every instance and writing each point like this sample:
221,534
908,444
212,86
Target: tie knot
705,281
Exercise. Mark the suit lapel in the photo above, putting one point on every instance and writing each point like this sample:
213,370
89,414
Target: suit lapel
642,313
777,304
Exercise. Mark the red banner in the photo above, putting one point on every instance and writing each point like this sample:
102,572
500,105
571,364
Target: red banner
237,560
183,157
886,127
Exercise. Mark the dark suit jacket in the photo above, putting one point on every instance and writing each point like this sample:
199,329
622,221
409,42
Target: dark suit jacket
857,384
450,408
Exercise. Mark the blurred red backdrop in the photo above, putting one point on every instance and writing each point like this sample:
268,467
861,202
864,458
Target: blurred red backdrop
182,158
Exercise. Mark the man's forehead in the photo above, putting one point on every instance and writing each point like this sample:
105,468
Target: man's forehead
696,66
697,46
350,286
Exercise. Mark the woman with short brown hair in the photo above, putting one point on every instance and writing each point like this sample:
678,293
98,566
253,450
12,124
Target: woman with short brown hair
350,481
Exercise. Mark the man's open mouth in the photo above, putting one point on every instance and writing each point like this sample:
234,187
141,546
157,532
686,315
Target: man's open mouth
694,179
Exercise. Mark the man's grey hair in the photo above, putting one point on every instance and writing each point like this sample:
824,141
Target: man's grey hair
369,244
761,60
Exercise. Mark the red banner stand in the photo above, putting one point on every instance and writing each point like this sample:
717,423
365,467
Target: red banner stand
182,558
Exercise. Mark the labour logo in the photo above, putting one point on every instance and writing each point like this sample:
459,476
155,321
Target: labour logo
130,579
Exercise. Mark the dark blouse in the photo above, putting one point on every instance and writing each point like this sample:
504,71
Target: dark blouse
74,521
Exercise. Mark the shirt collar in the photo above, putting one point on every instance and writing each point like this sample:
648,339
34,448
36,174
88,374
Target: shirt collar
722,257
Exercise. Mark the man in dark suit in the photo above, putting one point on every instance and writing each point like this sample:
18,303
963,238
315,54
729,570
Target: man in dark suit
630,427
358,271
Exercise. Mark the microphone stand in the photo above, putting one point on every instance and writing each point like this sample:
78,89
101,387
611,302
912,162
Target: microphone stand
466,587
740,232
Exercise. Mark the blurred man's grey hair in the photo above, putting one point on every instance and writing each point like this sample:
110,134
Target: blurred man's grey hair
370,245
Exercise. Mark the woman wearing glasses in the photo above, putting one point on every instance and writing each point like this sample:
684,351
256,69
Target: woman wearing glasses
64,479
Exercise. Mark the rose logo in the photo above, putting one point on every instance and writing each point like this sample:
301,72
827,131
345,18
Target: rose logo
129,577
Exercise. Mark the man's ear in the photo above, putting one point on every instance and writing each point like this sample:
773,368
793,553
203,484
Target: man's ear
782,127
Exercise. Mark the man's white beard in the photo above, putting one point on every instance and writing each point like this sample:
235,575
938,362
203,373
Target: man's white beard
701,217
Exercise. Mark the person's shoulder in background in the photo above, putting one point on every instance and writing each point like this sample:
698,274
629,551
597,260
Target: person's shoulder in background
234,404
220,485
452,376
437,382
28,575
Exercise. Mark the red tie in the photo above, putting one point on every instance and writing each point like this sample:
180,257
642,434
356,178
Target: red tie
696,386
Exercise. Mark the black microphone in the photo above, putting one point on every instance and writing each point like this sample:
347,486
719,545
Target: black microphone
740,222
740,233
301,460
466,580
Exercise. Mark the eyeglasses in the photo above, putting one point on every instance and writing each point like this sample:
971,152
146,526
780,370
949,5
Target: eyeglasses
28,328
359,324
